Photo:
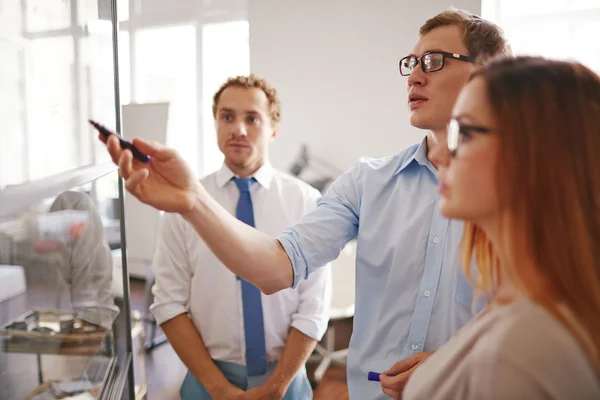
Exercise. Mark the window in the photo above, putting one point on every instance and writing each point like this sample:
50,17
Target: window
168,62
13,142
561,29
225,53
47,15
56,72
165,60
50,107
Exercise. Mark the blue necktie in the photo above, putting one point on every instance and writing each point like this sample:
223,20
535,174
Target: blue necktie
254,327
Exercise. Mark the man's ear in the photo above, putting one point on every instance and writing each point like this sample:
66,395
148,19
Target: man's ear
275,131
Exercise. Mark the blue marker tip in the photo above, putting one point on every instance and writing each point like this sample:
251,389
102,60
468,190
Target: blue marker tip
374,376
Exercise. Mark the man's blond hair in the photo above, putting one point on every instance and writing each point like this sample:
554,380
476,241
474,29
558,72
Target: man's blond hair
252,81
483,39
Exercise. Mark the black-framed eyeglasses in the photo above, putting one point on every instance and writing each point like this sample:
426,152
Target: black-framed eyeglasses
458,133
430,62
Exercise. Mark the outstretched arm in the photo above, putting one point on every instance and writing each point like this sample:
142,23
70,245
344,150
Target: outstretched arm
167,183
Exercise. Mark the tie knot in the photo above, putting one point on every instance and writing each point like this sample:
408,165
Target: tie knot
244,184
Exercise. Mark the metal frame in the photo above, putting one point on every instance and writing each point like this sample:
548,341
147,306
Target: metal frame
125,272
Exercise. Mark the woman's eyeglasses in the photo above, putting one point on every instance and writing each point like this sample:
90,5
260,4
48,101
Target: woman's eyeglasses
459,133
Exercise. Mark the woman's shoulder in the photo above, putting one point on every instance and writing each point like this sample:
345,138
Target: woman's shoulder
527,348
528,327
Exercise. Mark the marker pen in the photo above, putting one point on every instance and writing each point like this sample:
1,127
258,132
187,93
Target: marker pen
138,155
374,376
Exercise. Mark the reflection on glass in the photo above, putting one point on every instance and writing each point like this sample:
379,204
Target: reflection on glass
12,139
50,107
65,308
63,326
56,72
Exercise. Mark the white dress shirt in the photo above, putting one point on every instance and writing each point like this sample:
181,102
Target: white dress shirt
190,278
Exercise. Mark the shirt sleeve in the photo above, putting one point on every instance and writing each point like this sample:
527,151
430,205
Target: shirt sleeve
320,235
172,271
312,315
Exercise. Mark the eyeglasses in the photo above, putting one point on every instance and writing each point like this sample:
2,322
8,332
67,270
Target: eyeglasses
458,133
430,62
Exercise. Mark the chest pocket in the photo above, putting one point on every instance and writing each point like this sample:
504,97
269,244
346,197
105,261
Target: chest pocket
465,291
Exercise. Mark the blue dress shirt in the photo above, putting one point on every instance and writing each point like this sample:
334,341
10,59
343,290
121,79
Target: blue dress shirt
411,294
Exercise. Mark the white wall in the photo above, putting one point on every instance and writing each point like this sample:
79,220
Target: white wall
335,65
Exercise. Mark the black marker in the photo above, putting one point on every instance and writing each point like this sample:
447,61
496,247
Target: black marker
138,155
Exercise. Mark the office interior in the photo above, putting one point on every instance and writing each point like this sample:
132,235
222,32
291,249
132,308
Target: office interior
149,68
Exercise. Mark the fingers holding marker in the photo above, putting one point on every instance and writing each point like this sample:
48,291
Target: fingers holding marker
114,149
135,179
125,164
145,147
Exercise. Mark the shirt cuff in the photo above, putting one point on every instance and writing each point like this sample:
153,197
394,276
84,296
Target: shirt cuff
164,312
311,328
296,257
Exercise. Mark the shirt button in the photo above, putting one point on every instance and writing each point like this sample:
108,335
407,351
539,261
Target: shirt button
427,293
415,346
436,240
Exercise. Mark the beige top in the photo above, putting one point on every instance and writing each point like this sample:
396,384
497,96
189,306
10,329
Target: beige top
517,351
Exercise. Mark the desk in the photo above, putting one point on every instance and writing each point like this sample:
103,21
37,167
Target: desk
22,370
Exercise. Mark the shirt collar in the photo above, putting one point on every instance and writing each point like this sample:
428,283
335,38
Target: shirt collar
419,156
264,175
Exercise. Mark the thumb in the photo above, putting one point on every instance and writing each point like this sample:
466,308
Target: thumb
402,366
154,150
146,147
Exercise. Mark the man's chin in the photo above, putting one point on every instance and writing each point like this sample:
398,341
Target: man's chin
418,120
426,123
240,161
238,154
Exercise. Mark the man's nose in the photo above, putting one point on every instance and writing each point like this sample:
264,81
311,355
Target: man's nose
239,129
417,77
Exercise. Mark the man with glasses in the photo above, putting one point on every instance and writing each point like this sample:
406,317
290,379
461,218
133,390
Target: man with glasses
410,294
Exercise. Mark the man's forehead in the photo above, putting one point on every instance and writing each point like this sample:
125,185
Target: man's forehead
444,38
236,98
238,92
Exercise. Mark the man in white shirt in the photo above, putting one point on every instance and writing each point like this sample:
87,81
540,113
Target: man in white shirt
202,307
